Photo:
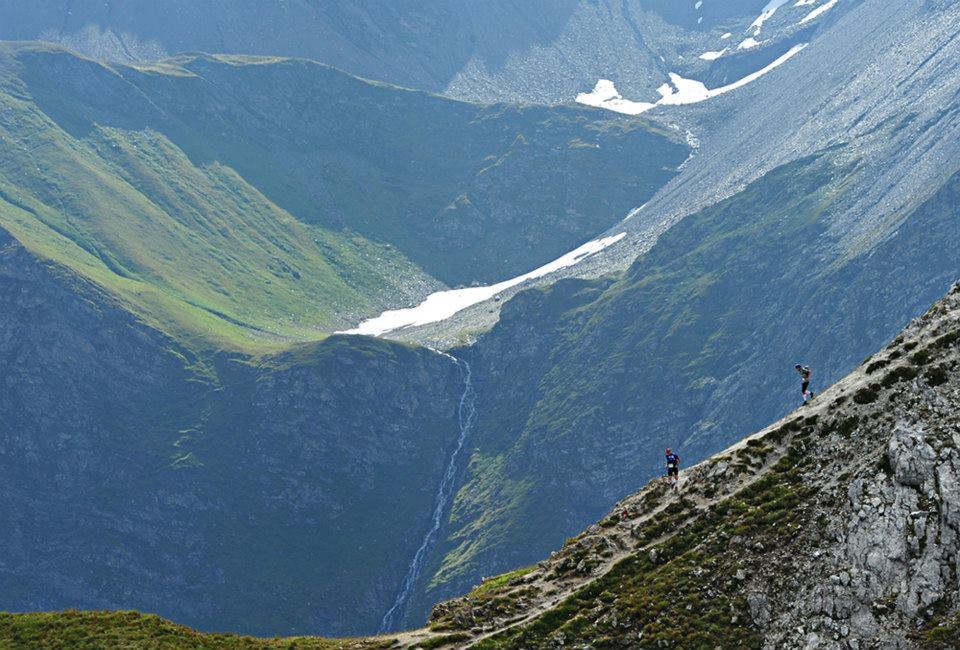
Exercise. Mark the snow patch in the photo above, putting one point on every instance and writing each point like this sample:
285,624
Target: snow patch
679,91
726,36
698,5
605,95
766,14
713,56
688,91
819,11
444,304
748,43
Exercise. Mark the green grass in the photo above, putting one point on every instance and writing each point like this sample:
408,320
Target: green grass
496,582
240,202
113,630
688,596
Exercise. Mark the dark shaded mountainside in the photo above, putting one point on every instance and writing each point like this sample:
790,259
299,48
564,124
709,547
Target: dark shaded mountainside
836,527
498,50
277,199
572,397
212,488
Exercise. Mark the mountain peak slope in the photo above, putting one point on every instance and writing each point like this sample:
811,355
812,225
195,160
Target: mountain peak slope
836,527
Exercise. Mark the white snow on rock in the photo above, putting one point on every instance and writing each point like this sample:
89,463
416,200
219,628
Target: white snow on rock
819,11
605,95
688,91
767,12
713,56
444,304
698,5
748,43
803,3
726,36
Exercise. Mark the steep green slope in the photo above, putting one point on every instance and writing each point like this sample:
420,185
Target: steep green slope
266,198
590,380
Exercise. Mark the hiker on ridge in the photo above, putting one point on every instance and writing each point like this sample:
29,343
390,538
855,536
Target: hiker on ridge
805,373
673,467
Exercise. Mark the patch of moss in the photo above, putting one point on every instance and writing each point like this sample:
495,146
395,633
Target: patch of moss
496,582
901,373
847,426
867,394
936,376
942,633
947,340
877,365
443,641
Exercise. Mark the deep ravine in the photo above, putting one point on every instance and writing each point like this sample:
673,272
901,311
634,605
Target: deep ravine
466,413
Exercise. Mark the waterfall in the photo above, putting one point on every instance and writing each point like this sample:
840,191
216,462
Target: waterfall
466,412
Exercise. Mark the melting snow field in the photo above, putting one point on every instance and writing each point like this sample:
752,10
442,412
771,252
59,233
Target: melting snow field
444,304
688,91
713,56
818,12
605,95
767,12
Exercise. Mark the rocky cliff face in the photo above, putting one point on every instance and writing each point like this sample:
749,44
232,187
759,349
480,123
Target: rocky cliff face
836,527
286,492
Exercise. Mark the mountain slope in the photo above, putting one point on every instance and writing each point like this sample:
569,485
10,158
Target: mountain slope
278,199
584,382
503,50
814,258
209,488
835,527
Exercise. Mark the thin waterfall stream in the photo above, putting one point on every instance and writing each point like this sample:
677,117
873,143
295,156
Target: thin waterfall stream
466,412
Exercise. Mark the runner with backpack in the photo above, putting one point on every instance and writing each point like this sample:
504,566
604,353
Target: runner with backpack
805,373
673,467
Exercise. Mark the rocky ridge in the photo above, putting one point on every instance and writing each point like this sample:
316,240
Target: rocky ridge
836,527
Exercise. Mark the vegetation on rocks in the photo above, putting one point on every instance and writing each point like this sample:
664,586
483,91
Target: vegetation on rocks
73,630
578,416
243,201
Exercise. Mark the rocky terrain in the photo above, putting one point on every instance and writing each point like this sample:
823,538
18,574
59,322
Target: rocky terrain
544,51
836,527
576,406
